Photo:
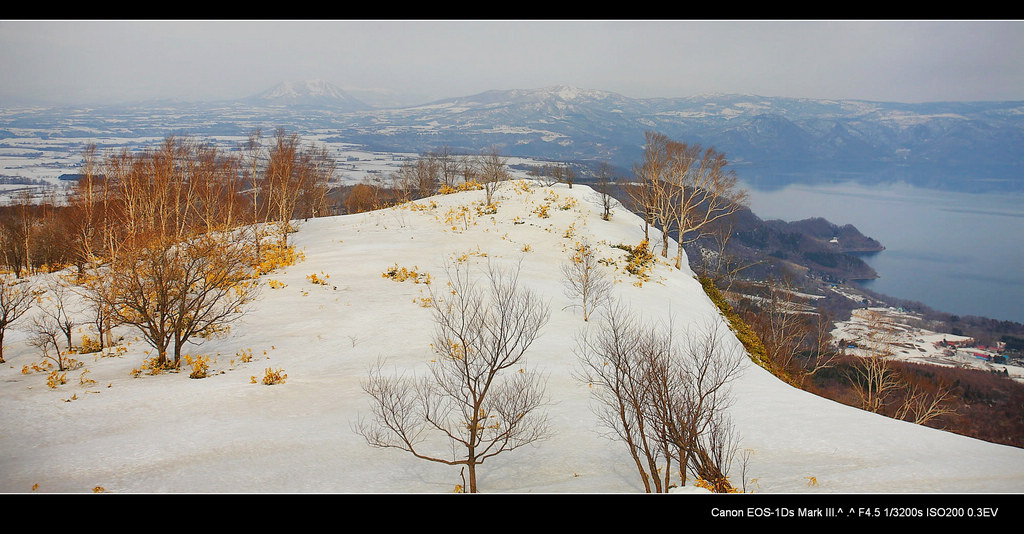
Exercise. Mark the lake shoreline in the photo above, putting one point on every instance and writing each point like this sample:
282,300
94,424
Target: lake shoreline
947,250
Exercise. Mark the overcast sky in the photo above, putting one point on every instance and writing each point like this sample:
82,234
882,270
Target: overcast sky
904,61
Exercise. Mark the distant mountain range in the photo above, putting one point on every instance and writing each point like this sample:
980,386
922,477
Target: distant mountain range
568,123
981,142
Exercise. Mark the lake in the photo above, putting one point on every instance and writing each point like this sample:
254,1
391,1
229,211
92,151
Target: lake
957,252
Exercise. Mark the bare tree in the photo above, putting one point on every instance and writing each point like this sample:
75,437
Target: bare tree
45,337
478,400
604,183
15,300
84,201
584,279
922,405
874,381
683,189
428,175
717,262
218,204
447,166
97,291
873,378
703,192
882,386
569,175
820,354
403,182
175,292
57,306
612,366
467,167
492,169
294,181
648,193
417,178
546,174
696,396
666,399
252,150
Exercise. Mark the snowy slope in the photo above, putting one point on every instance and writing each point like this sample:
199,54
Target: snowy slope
168,433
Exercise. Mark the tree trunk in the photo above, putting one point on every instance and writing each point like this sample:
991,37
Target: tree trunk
472,476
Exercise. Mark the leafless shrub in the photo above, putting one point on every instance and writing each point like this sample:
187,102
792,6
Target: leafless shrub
873,377
492,169
46,337
921,405
15,300
584,280
612,366
664,396
604,184
57,307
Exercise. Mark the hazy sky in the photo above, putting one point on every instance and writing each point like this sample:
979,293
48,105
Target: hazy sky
907,61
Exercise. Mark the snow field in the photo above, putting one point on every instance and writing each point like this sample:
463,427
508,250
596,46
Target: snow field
168,433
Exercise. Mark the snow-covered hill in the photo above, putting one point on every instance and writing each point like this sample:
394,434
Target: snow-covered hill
224,433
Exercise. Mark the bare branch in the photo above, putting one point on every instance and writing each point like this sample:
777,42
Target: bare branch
479,397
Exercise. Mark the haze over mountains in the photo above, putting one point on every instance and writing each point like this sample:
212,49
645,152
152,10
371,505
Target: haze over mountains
311,94
947,144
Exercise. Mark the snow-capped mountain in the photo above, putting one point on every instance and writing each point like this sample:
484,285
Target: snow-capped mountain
309,94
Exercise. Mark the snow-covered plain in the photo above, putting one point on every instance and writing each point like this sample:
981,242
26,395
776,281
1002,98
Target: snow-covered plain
905,341
170,433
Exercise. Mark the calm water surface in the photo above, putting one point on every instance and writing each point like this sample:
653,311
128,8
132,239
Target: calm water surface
961,253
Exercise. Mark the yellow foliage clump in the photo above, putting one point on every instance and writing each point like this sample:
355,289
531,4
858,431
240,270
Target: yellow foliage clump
200,366
245,355
570,231
85,381
276,256
722,486
464,257
639,260
415,206
458,214
272,377
152,366
486,209
471,185
37,367
401,274
55,379
89,345
317,280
